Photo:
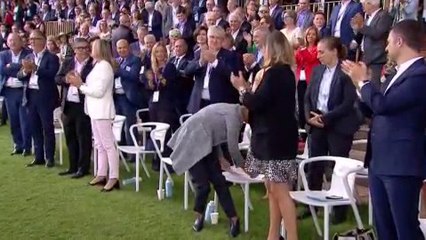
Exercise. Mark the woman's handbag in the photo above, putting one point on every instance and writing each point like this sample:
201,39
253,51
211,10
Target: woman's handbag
356,234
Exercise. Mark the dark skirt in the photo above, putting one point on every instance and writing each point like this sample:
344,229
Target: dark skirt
280,171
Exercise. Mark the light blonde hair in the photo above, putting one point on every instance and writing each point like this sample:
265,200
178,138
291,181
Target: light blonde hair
217,31
278,50
154,62
104,52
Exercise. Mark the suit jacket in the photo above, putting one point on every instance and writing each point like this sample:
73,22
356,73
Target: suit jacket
305,20
199,8
272,115
69,13
398,125
129,73
204,130
49,16
184,83
3,42
46,72
13,69
224,24
375,38
245,26
346,32
240,43
121,32
341,116
69,65
135,48
157,23
277,16
250,73
187,33
220,87
95,20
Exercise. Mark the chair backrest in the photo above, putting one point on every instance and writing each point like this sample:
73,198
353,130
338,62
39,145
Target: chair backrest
57,117
117,126
158,134
305,153
339,177
246,135
139,112
184,117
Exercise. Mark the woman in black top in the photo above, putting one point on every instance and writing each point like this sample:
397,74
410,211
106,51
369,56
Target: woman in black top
273,149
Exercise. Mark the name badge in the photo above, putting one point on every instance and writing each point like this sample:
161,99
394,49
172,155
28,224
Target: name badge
142,70
128,68
33,84
117,83
156,96
302,75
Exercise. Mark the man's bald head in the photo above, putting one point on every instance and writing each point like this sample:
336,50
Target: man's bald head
14,42
123,48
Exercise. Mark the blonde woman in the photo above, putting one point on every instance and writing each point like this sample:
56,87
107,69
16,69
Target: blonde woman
99,105
271,103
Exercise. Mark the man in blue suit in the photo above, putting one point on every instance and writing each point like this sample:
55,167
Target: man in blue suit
212,70
154,20
41,96
276,13
12,90
127,88
185,26
339,24
397,136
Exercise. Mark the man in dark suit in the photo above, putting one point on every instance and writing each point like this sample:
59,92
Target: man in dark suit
69,12
240,43
93,15
199,7
212,70
185,26
372,36
3,37
127,88
12,90
398,150
251,67
139,45
185,83
78,132
276,13
218,12
47,13
340,22
330,113
154,20
123,31
41,97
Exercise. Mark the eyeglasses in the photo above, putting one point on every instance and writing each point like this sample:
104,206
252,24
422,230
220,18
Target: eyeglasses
35,38
81,48
263,11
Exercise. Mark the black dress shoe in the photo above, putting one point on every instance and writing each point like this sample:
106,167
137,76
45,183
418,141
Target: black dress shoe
15,152
79,174
67,172
198,224
35,163
26,153
50,163
234,228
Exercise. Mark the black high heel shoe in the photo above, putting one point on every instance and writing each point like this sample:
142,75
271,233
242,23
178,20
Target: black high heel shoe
115,186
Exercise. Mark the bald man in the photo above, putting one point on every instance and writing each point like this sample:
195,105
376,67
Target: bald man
12,90
127,87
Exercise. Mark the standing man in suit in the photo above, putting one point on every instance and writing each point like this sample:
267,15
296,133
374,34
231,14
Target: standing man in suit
154,20
340,22
185,83
372,35
41,97
138,46
276,12
305,17
127,88
186,28
3,36
398,164
218,12
330,113
12,89
70,10
240,43
212,70
77,127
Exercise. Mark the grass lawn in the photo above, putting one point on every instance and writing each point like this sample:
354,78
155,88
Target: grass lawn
36,203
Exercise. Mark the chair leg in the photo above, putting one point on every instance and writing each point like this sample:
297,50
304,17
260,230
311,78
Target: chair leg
124,161
250,205
216,201
144,166
315,219
326,222
370,210
185,191
60,150
137,173
191,186
160,181
246,206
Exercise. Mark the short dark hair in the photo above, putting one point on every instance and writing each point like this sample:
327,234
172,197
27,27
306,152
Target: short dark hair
320,13
411,32
181,10
335,43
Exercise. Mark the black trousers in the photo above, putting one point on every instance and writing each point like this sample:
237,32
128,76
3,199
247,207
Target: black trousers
78,134
301,90
323,142
207,171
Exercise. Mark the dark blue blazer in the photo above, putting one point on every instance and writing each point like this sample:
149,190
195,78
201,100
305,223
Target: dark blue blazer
167,100
129,74
157,23
220,87
187,33
13,69
46,71
277,16
95,20
398,125
198,8
346,32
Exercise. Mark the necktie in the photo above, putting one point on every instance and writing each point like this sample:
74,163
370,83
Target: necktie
176,63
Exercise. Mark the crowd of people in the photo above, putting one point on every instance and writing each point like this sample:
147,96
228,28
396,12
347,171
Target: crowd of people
274,69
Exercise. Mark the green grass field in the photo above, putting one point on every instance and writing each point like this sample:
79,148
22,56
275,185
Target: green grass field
36,203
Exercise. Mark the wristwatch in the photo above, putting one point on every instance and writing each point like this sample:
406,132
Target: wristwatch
243,91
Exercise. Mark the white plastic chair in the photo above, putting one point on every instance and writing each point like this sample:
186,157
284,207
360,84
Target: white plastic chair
245,143
159,134
59,132
117,127
187,181
238,176
342,185
422,220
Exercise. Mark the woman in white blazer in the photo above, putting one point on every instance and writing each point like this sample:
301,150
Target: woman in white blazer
99,105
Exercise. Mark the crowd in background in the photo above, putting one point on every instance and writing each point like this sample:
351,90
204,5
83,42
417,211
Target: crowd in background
179,56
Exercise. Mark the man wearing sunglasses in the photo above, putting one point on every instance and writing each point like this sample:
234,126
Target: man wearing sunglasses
76,122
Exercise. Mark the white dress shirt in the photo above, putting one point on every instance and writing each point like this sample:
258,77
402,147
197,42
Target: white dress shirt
271,10
205,94
72,94
11,81
324,90
33,83
150,16
340,16
401,69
